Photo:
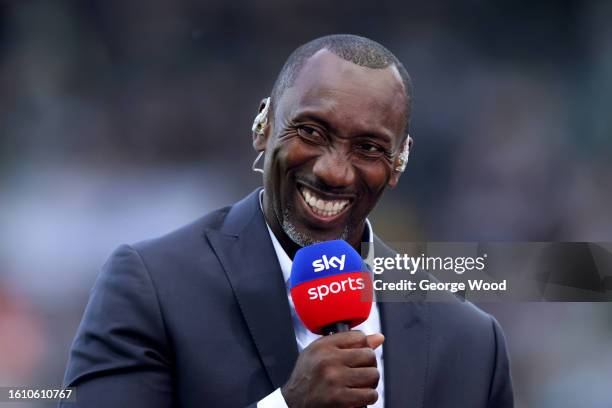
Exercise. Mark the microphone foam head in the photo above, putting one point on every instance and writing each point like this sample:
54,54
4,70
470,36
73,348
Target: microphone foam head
330,283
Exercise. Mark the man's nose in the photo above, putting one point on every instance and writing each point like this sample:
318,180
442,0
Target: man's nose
334,169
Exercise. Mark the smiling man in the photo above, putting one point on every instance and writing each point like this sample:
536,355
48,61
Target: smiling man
203,316
338,125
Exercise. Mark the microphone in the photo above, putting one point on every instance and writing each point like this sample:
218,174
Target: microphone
331,287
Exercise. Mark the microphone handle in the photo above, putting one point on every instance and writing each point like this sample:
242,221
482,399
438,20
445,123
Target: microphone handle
334,328
338,327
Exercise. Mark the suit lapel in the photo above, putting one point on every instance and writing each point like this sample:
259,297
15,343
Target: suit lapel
248,257
249,260
406,327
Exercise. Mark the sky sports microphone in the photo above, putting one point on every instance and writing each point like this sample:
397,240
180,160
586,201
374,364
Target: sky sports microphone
331,287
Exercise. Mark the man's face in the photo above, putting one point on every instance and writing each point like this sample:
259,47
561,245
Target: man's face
331,149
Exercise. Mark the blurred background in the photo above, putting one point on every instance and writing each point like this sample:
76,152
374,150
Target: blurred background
122,120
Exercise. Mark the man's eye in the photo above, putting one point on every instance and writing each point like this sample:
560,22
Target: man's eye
371,148
309,132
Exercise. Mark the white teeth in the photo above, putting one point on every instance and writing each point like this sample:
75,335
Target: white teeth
323,207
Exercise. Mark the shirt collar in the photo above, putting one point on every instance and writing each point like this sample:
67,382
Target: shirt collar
286,262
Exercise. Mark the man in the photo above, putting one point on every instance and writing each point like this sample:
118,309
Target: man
202,316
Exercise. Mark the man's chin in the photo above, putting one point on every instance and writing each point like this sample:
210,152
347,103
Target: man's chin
299,237
304,237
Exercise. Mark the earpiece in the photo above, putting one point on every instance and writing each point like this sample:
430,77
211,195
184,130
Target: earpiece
402,160
261,120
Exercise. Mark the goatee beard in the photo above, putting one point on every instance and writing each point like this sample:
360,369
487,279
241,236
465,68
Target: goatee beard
301,238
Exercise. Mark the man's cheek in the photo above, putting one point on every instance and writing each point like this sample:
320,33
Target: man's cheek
375,177
300,154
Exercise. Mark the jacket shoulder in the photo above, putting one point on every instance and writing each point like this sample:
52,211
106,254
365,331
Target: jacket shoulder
185,237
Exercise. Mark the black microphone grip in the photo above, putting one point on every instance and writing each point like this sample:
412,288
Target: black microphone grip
338,327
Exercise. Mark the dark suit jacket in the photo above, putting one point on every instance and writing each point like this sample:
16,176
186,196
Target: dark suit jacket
200,318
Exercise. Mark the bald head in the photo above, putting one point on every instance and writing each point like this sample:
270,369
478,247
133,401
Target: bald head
357,50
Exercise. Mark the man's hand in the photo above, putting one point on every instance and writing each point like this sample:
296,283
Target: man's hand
335,371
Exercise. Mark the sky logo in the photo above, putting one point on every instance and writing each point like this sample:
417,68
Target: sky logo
326,263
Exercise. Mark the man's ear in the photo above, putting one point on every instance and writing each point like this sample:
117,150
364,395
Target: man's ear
261,130
401,159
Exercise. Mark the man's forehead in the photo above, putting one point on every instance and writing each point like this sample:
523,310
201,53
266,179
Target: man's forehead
327,80
327,70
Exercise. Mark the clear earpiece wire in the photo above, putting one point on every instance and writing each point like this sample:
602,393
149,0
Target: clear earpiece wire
254,166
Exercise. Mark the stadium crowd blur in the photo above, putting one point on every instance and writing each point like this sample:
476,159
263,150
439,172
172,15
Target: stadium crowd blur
120,121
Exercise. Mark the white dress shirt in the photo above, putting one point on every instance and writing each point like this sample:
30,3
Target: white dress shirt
304,337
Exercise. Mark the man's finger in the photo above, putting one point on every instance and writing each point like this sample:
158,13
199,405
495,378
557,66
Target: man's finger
375,340
362,377
360,397
349,339
359,357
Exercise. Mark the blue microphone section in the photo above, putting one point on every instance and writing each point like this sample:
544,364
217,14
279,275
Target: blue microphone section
323,260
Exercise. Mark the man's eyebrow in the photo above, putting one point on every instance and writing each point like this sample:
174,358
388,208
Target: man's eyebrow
307,115
384,137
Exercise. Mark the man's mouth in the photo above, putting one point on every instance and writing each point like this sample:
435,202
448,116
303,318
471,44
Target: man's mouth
321,206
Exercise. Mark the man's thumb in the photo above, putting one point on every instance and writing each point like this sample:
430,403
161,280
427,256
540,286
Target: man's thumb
375,340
